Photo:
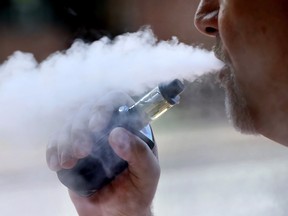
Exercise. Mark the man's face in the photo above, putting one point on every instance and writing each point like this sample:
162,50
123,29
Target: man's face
251,38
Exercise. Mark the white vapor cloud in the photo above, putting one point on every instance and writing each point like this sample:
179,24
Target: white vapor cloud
36,98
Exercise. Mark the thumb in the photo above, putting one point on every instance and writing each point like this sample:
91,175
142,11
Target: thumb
143,164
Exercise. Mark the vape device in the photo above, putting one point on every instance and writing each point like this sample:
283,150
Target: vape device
102,165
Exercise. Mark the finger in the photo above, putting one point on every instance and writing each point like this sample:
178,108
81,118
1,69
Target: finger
105,107
143,164
80,135
64,149
52,156
82,146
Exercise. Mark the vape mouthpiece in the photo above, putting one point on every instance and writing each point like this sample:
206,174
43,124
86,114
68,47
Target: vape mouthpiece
171,91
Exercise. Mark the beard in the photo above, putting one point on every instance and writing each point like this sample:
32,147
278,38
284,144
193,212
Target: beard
236,105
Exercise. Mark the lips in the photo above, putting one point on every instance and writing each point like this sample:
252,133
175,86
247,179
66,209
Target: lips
219,51
221,54
224,75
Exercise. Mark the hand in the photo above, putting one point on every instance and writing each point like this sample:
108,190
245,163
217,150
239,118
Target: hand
132,192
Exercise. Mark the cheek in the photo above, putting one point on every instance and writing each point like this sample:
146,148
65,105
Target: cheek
232,40
254,37
244,41
238,41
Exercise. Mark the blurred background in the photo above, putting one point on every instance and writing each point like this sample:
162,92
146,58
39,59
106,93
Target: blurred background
207,167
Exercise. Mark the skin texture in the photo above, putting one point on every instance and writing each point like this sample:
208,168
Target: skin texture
132,192
251,40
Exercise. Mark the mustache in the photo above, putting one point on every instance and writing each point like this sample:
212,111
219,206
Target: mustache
219,51
224,76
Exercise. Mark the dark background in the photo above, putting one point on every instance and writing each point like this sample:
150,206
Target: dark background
57,23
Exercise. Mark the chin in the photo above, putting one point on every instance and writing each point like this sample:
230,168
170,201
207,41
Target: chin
236,105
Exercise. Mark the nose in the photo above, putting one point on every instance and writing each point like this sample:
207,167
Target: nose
206,17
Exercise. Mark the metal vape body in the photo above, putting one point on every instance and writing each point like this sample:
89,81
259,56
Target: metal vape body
102,165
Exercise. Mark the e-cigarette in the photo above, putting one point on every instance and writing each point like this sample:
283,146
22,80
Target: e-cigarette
102,165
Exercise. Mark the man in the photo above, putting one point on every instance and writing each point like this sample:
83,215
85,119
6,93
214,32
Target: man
251,40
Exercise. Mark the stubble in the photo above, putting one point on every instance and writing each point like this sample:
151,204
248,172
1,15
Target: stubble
237,108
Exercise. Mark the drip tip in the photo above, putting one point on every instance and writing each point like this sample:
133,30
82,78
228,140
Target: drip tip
171,90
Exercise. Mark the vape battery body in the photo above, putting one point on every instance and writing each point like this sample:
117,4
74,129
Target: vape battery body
103,165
